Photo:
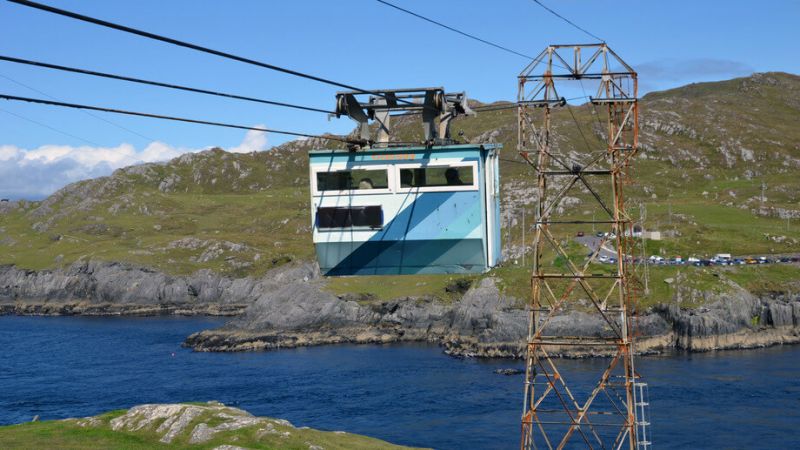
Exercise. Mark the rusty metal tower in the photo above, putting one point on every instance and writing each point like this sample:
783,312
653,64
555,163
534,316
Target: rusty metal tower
562,409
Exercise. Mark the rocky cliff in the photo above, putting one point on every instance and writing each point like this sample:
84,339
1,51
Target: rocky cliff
103,288
486,323
291,307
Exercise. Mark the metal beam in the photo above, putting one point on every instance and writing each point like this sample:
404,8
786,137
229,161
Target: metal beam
613,296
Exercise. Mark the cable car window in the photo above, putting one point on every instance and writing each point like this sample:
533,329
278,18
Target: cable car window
354,179
437,176
356,216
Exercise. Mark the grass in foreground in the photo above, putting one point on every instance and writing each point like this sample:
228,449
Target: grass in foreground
96,433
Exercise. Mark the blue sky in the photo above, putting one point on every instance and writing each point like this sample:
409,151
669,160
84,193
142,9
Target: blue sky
359,42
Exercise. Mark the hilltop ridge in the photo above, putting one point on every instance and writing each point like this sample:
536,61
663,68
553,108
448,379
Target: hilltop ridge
707,151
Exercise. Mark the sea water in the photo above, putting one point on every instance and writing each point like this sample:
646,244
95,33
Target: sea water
58,367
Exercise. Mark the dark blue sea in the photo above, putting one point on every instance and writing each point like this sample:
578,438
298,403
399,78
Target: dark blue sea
58,367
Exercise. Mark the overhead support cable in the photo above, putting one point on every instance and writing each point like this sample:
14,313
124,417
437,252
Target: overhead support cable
447,27
158,83
110,122
164,117
51,128
191,46
465,34
568,21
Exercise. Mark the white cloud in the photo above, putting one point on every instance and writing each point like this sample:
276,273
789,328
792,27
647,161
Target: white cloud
8,152
254,141
37,173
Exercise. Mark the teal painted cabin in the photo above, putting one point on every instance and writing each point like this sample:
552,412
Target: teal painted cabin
406,210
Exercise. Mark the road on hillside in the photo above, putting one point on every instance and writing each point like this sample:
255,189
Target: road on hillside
592,242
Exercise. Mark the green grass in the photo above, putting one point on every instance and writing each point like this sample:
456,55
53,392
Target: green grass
514,280
783,278
255,220
445,288
713,228
758,279
68,434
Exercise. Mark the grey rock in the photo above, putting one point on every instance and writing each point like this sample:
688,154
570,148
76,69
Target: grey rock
291,307
484,313
174,419
203,433
509,371
484,323
297,306
94,287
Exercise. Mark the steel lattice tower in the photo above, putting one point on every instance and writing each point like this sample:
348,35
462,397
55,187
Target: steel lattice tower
557,411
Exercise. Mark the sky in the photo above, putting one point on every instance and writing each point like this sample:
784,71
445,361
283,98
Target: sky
357,42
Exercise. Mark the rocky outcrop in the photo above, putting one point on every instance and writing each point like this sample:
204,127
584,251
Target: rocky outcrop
736,320
488,324
290,307
104,288
210,425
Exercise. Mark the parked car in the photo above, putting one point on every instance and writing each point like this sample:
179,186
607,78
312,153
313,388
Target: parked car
600,234
750,261
580,234
762,260
722,257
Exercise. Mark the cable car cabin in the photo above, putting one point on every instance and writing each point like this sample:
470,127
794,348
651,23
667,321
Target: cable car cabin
406,210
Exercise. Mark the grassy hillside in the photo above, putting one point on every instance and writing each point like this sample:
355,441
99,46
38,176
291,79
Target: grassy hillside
709,151
187,428
238,214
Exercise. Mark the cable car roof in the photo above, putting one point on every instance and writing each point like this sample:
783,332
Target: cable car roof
415,149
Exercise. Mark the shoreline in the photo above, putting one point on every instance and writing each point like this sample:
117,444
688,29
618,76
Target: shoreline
292,307
51,309
231,341
215,341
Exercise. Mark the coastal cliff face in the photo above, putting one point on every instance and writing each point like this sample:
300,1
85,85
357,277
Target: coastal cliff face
103,288
485,323
290,307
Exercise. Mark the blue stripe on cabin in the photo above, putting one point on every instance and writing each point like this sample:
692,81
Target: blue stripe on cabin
435,215
402,257
427,232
